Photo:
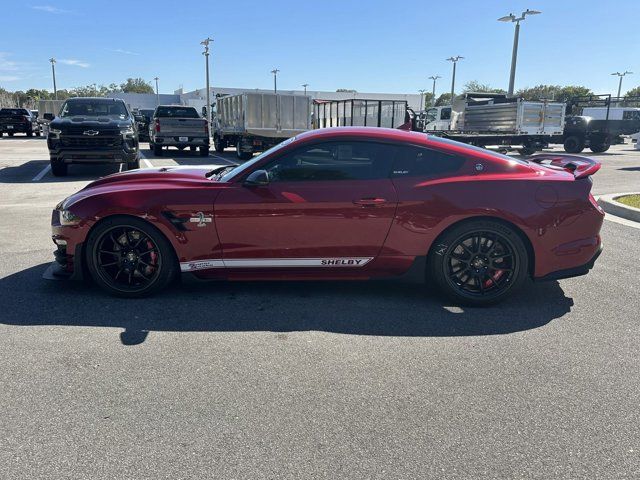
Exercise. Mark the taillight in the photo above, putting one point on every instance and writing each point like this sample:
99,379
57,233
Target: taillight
157,124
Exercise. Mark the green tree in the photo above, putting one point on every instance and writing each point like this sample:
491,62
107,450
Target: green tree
553,92
634,92
428,99
136,85
475,86
444,99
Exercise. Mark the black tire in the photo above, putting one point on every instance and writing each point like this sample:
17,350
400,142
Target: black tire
204,151
134,165
219,145
478,273
30,133
599,147
157,150
10,134
123,239
573,144
242,155
58,168
38,133
193,149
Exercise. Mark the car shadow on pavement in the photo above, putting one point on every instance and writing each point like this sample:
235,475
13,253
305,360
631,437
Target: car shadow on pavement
355,308
26,172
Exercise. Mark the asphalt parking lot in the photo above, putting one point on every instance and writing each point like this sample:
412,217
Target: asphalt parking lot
310,380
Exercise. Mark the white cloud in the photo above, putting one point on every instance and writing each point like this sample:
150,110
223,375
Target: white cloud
49,9
71,61
8,78
124,52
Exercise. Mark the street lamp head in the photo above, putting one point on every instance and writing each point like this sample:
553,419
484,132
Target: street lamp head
305,85
52,60
454,59
434,77
275,71
509,18
531,12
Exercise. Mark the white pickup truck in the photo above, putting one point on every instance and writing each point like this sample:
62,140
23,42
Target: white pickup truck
178,126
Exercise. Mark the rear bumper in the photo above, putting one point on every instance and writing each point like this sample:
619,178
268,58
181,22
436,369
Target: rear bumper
17,128
574,271
174,141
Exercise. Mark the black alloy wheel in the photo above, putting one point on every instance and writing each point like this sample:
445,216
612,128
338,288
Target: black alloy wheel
130,258
479,263
573,144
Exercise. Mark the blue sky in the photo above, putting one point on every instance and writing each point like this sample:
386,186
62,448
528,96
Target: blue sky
372,46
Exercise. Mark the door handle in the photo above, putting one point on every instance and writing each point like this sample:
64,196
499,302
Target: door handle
370,202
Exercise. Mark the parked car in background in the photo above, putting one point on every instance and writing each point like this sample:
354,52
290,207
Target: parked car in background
143,119
18,120
93,130
339,203
178,126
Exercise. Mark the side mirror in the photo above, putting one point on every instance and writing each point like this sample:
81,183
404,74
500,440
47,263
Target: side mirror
49,116
257,178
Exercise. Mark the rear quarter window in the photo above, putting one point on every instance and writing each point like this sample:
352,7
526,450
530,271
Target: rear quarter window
424,162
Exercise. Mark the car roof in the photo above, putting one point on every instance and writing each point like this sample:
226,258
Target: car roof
372,133
94,99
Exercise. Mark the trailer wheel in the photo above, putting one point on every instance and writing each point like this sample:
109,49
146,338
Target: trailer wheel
599,147
527,150
573,144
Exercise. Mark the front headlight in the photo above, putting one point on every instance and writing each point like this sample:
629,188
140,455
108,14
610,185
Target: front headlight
54,133
68,218
127,131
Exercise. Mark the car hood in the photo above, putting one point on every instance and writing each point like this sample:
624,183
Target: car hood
144,178
88,121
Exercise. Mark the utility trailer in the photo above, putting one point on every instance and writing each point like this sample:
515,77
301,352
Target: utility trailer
599,121
362,113
497,121
253,122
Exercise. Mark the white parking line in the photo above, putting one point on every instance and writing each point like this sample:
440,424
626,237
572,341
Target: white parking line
147,163
42,173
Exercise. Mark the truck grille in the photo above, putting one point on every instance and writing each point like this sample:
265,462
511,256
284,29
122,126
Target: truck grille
84,141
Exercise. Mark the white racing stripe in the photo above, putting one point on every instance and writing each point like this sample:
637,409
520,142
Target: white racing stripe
330,262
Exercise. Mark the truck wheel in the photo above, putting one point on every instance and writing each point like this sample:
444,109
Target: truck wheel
134,165
30,133
58,168
204,151
527,150
38,133
573,144
599,147
242,155
10,134
219,145
157,150
193,149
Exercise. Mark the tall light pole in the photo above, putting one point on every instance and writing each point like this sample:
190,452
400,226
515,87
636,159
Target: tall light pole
621,75
157,94
422,98
53,70
206,42
514,54
453,60
275,80
433,91
305,85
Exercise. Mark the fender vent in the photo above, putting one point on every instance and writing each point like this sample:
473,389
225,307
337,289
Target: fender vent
176,221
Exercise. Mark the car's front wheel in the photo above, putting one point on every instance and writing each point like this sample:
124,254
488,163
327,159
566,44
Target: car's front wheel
479,263
128,257
58,168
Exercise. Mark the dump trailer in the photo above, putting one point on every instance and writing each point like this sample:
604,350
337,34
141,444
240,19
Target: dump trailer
361,113
599,121
498,122
253,122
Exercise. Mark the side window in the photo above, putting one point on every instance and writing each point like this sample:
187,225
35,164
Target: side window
445,114
423,162
333,161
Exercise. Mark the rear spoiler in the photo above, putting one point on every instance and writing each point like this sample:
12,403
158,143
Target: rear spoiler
581,167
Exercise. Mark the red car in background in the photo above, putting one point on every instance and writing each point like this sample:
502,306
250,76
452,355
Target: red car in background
339,204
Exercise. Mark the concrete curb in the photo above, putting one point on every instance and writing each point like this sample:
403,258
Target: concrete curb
610,205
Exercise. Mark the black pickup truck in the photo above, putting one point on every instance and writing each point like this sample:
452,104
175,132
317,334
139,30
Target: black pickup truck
18,120
93,130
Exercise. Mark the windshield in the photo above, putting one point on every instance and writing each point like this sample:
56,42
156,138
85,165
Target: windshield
241,168
8,112
183,112
93,108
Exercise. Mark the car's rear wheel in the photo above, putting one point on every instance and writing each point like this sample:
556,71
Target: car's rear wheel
128,257
58,168
573,144
10,134
479,263
204,151
157,150
30,133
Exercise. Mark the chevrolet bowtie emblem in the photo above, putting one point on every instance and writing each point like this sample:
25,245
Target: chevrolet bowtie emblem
91,132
